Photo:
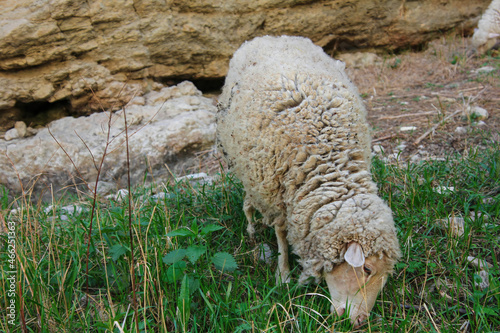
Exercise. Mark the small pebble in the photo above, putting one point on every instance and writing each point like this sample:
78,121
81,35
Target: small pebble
489,201
11,134
444,189
415,158
201,178
478,263
378,149
485,283
461,130
401,147
265,253
72,209
121,195
21,128
479,215
455,225
478,112
161,196
408,128
485,69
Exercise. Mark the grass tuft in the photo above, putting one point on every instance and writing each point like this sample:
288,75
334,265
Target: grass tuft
197,271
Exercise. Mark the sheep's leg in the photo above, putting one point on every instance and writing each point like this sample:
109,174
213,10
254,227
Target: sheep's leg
283,270
249,210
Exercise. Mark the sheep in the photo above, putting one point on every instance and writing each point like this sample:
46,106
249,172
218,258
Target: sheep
487,34
292,128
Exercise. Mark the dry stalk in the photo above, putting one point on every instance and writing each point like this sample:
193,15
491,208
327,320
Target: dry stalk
132,259
433,128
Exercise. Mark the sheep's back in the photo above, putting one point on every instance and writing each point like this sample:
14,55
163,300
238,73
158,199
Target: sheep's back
287,112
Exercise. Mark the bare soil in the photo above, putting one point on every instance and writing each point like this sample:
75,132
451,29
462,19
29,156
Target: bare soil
431,90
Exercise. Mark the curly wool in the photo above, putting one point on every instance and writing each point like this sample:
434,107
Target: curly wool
293,129
488,28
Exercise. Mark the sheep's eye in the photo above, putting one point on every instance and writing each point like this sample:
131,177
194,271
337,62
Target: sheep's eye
367,270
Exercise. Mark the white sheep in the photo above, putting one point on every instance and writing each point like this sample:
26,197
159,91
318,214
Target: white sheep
292,128
488,29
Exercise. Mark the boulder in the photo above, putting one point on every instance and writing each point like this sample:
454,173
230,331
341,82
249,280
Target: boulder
173,123
96,55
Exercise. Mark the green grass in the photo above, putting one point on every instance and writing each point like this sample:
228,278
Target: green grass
433,288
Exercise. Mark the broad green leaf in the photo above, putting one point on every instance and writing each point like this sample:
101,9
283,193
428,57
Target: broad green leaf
194,284
210,228
243,327
181,232
184,303
194,252
489,311
175,271
224,261
116,251
174,256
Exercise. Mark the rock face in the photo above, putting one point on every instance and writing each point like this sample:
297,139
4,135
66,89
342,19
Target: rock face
97,54
164,128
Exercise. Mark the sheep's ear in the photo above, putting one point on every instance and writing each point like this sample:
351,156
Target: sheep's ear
354,255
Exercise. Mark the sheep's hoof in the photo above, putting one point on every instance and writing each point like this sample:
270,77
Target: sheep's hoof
251,232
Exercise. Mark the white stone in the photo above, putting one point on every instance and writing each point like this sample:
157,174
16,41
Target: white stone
453,224
48,209
160,196
73,209
415,158
359,59
201,178
378,149
400,147
21,128
408,128
479,215
265,253
121,195
485,69
103,187
489,201
11,134
485,283
478,263
444,189
477,112
460,130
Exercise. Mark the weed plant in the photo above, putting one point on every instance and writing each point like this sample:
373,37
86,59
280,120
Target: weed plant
197,271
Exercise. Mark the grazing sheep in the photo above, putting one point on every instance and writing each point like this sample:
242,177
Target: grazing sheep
292,128
487,34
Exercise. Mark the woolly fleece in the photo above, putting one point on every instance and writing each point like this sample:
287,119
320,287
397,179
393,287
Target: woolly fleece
293,129
488,28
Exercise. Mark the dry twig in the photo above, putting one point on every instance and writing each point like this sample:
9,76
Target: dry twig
433,128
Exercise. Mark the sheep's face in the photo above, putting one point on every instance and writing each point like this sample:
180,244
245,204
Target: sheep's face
356,288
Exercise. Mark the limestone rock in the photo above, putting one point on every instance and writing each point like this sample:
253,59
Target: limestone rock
100,54
359,59
163,131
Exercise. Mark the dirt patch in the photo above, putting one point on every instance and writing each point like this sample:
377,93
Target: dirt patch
430,91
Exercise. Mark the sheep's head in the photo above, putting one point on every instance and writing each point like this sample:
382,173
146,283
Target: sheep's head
355,283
